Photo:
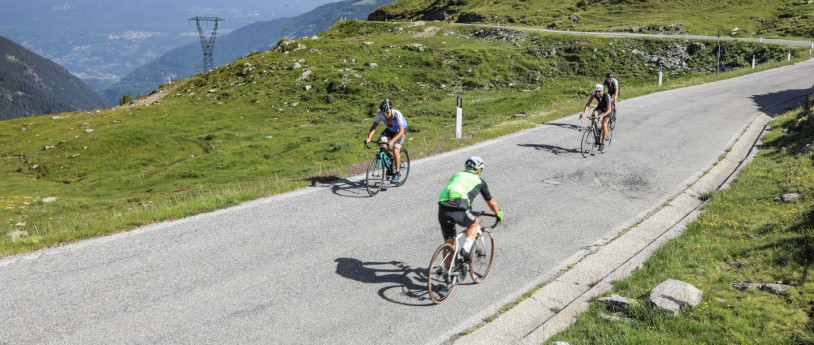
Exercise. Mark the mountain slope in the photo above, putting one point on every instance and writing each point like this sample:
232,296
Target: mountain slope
770,18
33,85
185,61
104,40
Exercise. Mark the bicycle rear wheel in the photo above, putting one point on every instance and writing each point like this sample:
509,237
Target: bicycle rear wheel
588,142
439,281
404,168
375,176
482,256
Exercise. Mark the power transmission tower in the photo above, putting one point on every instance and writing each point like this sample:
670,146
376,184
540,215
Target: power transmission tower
208,45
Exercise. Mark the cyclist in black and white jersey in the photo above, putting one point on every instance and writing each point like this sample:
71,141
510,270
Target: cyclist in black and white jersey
393,135
602,110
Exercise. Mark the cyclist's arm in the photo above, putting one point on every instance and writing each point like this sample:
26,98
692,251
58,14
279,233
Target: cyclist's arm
587,106
493,205
372,130
487,196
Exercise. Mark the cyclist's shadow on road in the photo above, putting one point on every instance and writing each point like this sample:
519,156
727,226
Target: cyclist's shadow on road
403,284
341,186
577,128
557,150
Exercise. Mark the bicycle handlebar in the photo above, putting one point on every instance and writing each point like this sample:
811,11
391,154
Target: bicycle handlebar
483,213
378,142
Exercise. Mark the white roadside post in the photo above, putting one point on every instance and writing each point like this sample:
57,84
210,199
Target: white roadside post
761,38
753,62
660,74
789,59
458,118
811,48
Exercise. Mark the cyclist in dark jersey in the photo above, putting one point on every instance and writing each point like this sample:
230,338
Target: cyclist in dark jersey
613,88
601,111
455,203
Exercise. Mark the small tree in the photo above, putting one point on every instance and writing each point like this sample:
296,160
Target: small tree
126,99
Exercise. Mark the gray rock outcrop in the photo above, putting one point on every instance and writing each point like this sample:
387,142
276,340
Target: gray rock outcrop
672,294
788,197
776,289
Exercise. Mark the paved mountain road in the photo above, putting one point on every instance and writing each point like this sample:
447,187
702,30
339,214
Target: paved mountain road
328,264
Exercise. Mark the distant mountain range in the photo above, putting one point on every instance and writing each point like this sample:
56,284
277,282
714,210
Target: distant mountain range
100,40
33,85
186,61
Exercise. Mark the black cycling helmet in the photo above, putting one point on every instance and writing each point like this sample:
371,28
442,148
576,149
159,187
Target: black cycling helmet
610,75
386,106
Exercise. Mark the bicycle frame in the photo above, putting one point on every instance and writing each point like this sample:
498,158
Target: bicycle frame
460,236
384,158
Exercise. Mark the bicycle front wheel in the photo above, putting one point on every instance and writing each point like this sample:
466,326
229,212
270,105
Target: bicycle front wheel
440,278
612,122
588,142
482,256
608,139
375,176
404,167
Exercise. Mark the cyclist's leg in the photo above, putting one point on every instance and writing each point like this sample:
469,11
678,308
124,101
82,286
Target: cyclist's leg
473,229
594,117
397,152
447,221
604,119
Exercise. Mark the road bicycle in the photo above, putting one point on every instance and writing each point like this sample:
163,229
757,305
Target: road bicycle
593,137
380,168
448,267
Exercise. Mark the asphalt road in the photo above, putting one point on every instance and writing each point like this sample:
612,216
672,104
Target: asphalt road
328,264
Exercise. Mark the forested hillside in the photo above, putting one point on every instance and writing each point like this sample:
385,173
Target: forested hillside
33,85
186,61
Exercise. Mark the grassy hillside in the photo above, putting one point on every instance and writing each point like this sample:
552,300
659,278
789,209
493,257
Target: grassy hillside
33,85
770,18
743,235
296,115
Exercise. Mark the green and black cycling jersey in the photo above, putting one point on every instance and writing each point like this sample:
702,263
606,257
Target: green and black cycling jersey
612,87
462,188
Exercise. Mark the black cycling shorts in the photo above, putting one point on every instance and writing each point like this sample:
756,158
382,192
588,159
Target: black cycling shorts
448,217
388,134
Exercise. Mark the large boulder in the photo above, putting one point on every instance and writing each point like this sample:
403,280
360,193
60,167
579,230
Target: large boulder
672,294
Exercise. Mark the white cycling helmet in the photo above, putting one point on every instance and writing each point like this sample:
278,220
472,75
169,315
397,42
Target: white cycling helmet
474,162
598,87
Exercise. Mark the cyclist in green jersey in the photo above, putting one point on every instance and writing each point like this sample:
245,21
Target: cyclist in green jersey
455,203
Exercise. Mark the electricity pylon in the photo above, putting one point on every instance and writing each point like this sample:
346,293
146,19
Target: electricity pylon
208,45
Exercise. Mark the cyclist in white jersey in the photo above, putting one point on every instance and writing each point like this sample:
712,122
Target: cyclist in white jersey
393,135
